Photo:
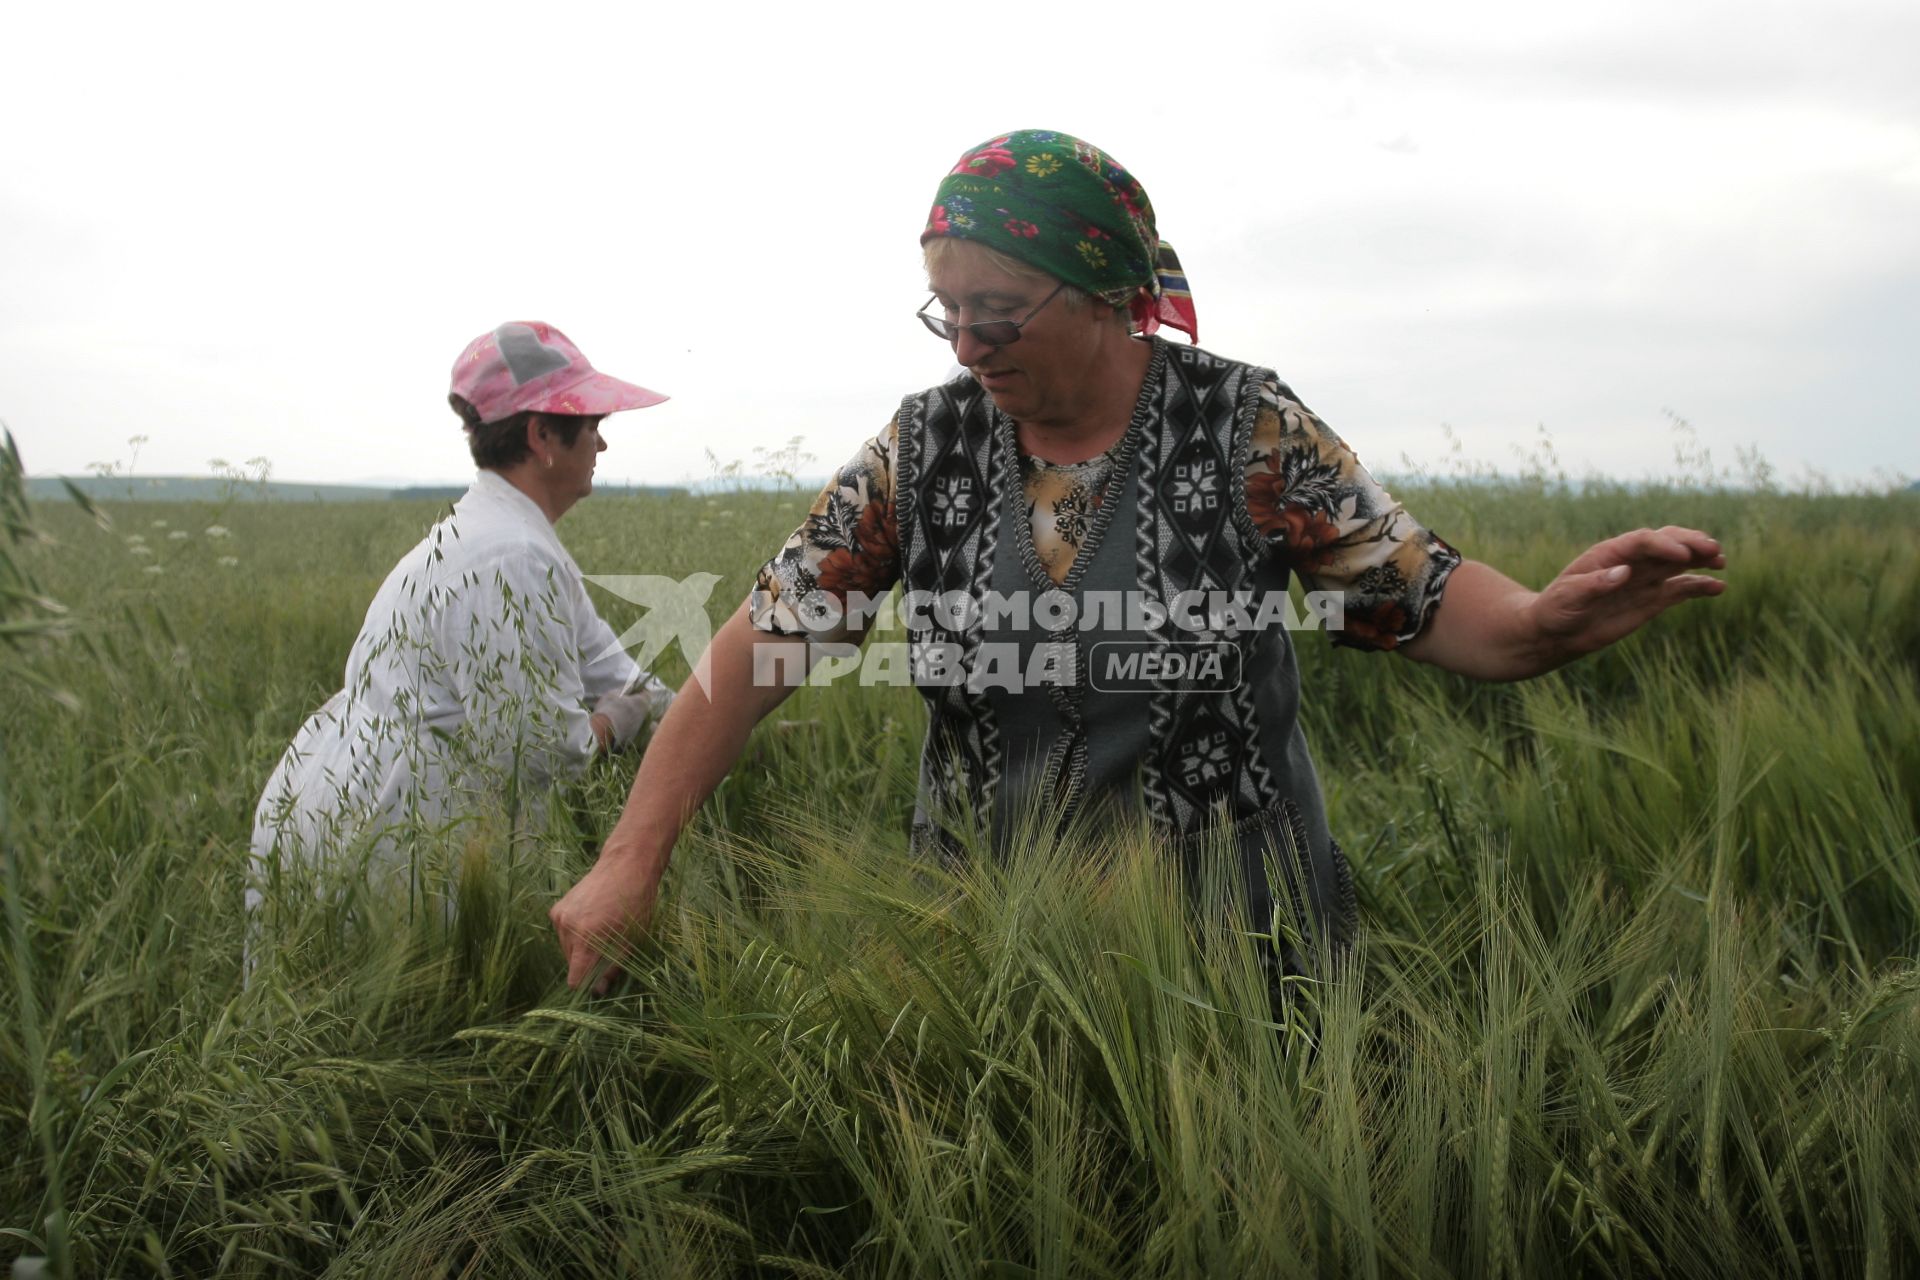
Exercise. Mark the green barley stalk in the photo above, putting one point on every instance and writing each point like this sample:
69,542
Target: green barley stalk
21,604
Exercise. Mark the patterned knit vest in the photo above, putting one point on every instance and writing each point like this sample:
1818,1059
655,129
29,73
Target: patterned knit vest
1220,772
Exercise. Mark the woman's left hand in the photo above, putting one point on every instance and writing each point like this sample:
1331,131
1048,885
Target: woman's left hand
1619,585
631,717
1490,627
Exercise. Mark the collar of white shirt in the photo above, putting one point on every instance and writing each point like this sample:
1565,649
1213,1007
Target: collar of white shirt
493,497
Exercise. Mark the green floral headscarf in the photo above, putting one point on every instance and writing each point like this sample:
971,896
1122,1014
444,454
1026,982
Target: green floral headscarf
1069,209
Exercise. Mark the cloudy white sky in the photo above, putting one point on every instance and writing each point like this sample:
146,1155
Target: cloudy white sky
255,229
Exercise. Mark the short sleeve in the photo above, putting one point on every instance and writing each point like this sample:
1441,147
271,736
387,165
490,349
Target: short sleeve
1332,523
849,545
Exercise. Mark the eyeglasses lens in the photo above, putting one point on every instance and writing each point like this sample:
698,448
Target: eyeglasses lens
995,333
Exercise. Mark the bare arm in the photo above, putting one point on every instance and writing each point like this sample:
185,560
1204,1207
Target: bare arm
704,732
1491,628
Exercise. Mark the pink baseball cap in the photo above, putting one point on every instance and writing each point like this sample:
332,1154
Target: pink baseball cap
526,365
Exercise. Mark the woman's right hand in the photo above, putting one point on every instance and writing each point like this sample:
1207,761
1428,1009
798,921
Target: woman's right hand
702,735
611,903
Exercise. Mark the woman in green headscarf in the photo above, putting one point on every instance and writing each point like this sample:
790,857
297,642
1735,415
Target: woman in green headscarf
1065,209
1094,530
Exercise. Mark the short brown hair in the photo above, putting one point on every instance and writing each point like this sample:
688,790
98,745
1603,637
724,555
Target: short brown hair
495,446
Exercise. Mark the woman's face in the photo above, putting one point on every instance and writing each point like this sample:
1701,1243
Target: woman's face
1044,377
572,472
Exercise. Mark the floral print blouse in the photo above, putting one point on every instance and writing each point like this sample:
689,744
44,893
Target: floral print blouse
1327,519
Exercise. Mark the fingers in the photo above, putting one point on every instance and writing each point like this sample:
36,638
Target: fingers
593,933
1674,545
581,957
587,964
1621,595
1638,576
1691,586
1703,550
1653,555
1663,545
581,962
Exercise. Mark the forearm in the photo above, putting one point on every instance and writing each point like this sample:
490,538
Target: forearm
1492,628
1484,627
703,735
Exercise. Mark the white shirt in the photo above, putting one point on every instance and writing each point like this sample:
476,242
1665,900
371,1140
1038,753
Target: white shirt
467,691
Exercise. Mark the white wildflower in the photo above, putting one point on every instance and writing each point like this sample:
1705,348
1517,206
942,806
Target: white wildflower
140,550
154,568
159,524
178,535
216,531
228,561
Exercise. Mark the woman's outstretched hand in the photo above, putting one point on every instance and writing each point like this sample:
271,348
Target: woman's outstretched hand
1615,587
1490,627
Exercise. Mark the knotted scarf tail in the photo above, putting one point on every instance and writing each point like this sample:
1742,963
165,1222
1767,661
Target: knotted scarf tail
1173,306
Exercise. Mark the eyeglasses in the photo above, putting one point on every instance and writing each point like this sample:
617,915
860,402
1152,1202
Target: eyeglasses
995,333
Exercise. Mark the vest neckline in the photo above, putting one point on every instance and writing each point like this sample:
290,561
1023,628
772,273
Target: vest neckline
1084,465
1120,457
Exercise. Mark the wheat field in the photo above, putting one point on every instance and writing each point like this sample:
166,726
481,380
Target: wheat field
1636,992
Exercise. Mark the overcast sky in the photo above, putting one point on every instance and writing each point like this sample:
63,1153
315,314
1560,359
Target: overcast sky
255,229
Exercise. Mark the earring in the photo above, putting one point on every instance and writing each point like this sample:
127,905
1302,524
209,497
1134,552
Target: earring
549,462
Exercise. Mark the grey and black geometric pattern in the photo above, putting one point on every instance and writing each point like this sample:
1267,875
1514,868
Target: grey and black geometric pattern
949,528
1205,746
1190,440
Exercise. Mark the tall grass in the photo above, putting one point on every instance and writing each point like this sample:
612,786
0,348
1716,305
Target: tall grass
1636,992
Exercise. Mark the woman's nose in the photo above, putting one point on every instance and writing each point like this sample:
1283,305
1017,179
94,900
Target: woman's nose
969,350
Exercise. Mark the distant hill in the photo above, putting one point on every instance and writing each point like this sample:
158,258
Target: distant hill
448,492
215,489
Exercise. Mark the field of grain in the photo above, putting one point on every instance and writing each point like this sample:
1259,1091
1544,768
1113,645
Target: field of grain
1637,992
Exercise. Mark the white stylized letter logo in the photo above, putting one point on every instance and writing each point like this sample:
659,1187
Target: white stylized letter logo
675,610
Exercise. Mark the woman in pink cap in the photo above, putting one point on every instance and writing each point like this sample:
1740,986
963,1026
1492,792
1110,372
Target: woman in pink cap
482,673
